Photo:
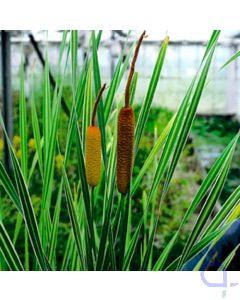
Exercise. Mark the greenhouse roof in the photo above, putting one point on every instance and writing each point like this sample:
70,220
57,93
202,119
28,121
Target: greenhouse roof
153,35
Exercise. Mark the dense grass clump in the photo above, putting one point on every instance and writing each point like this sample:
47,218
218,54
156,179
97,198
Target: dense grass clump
82,196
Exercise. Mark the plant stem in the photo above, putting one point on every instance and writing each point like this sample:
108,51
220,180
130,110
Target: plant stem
132,68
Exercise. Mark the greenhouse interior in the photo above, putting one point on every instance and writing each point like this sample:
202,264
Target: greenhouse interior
120,150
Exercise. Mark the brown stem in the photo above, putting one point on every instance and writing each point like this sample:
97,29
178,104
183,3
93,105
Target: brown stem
130,76
96,103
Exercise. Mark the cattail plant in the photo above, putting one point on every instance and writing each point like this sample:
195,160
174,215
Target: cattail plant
93,147
109,234
125,140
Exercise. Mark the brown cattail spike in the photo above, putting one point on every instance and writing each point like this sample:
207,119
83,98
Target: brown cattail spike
96,103
132,68
125,141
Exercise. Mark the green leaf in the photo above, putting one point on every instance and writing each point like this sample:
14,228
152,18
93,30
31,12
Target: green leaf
225,264
85,191
208,207
133,88
177,138
108,199
69,245
36,133
17,228
74,60
111,251
76,109
145,108
55,227
50,160
23,124
87,106
234,57
111,91
8,251
213,243
73,218
9,187
227,207
27,209
180,129
123,227
199,246
29,216
155,150
26,250
116,80
47,114
132,246
199,197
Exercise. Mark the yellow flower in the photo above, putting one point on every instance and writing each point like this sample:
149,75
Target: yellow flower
1,145
31,144
16,141
59,161
18,153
